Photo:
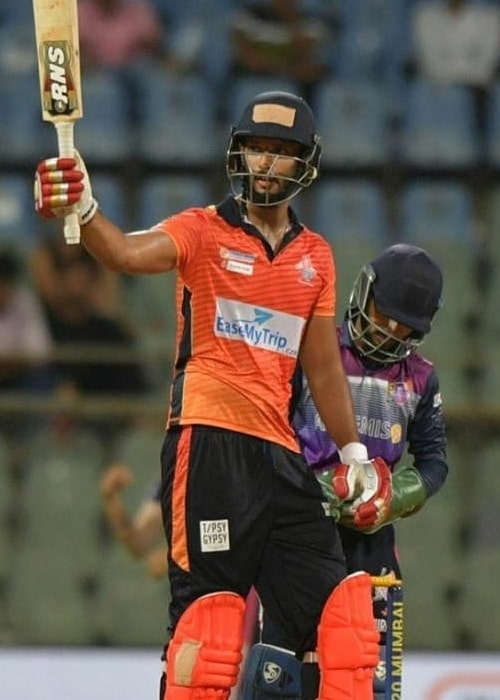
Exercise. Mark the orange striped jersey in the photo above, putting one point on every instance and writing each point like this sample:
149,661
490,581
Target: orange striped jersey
241,315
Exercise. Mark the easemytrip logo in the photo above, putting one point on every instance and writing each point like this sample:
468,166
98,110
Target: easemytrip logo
59,96
258,327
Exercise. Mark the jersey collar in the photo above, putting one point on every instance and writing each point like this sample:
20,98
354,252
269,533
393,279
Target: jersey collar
230,210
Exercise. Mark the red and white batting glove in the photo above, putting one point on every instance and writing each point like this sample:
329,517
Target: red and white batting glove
61,183
370,509
348,479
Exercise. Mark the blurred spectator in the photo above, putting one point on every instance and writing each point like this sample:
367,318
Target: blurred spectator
117,33
52,256
70,283
25,342
457,42
142,533
121,34
279,38
129,38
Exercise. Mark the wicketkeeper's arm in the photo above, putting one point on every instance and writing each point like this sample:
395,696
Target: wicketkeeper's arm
406,496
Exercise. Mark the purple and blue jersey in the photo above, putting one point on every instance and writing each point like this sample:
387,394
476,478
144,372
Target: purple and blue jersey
398,409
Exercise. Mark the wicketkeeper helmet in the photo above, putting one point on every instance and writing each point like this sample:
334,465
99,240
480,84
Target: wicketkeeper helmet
406,285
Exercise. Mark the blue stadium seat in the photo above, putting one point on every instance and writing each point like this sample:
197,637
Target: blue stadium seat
104,135
16,13
493,226
436,212
439,217
111,194
151,298
163,195
139,447
7,499
150,304
373,39
199,29
353,120
177,120
179,10
67,470
130,609
349,209
427,556
23,135
493,127
438,127
488,303
427,550
481,498
352,216
46,598
18,222
17,41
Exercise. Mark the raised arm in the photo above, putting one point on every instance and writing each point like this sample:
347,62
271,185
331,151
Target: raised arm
63,182
137,253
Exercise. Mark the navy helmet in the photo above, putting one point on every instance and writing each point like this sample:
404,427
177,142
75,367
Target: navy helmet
406,285
276,115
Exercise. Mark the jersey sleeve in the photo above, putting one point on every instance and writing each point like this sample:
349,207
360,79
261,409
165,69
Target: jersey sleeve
426,438
186,231
326,303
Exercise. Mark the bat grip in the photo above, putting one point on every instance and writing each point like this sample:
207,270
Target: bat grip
66,150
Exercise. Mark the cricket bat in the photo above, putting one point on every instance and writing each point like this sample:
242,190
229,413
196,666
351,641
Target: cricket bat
58,52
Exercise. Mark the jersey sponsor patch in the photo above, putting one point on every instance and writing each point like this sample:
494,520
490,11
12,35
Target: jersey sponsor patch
239,267
258,327
396,433
214,535
235,261
401,391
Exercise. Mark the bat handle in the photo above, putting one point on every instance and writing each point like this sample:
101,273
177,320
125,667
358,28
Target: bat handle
66,150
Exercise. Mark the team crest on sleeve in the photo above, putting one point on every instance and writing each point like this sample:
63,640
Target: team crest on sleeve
437,401
306,269
396,432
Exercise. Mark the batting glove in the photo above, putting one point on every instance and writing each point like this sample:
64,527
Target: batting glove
344,481
371,509
61,183
349,476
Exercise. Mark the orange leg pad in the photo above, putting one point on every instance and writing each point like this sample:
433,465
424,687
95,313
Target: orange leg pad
348,641
204,655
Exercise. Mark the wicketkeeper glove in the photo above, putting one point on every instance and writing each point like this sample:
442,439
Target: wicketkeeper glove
406,495
61,183
325,479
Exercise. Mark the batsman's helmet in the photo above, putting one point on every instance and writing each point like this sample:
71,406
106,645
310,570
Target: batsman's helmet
277,115
406,285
